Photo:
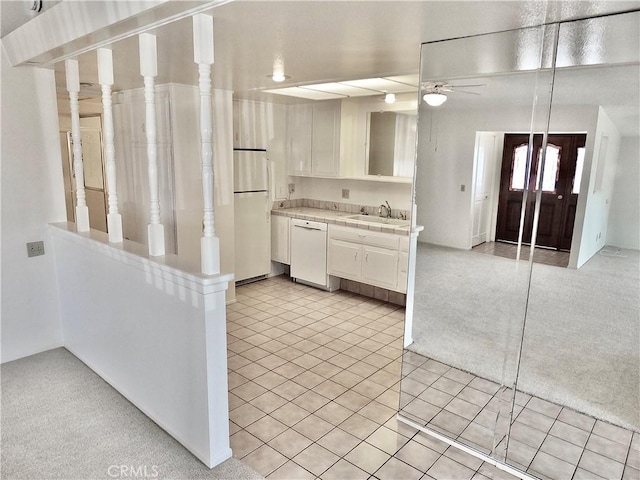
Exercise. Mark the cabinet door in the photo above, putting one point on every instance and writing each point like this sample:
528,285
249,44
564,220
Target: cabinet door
299,126
325,153
380,267
403,264
280,239
251,124
344,259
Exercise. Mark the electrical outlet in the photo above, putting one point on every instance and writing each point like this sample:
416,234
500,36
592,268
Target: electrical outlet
35,248
292,187
463,188
345,193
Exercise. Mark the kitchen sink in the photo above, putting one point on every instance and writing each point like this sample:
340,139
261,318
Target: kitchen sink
379,220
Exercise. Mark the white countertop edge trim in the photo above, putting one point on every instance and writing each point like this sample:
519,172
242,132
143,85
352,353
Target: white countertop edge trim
334,217
134,254
368,178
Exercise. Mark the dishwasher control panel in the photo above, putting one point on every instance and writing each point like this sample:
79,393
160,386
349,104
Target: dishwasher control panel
308,224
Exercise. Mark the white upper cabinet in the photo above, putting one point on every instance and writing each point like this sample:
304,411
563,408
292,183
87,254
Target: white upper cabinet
313,132
325,142
299,136
252,125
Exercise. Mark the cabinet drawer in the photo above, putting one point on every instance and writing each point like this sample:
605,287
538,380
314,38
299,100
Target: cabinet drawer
364,237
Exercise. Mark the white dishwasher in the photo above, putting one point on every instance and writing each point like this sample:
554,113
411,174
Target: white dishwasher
309,254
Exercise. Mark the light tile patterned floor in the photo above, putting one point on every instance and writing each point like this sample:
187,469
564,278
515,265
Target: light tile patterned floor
314,381
547,440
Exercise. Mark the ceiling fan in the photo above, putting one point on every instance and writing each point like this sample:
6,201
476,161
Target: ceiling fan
433,92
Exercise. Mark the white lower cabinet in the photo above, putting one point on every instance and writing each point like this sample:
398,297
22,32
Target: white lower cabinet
344,259
280,250
365,256
380,267
403,265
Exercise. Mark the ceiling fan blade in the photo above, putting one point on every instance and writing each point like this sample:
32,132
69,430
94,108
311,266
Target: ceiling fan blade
464,91
468,85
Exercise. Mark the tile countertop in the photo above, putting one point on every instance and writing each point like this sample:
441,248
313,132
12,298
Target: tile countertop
340,218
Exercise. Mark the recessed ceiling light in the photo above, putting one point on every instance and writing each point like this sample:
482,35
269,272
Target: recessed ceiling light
278,77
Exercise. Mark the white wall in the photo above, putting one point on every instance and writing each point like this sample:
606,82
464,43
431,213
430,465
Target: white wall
32,196
154,332
592,211
361,192
624,212
445,162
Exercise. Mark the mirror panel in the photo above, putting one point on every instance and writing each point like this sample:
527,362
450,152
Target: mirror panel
545,338
580,358
391,143
460,367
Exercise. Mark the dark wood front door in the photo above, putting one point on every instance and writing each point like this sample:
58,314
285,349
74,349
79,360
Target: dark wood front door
559,184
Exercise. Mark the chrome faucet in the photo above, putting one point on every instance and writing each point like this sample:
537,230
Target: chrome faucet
387,210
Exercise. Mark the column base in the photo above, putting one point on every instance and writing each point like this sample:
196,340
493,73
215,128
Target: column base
210,255
156,239
82,218
114,227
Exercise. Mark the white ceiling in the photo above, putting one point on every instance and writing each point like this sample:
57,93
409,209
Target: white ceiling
335,41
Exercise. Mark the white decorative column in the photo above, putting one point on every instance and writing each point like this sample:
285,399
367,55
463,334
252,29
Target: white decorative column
105,77
149,70
73,87
203,56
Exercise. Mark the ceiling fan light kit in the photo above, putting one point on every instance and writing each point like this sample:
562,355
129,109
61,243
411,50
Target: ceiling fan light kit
434,99
434,95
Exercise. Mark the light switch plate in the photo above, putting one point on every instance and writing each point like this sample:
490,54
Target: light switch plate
35,248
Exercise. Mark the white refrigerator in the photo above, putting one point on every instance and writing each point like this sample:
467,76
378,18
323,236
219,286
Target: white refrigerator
252,214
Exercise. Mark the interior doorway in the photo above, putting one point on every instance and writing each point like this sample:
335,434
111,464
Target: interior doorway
93,169
559,183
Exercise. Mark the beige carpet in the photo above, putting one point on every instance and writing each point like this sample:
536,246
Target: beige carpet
60,420
582,339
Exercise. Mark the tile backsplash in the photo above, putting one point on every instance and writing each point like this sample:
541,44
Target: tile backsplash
336,206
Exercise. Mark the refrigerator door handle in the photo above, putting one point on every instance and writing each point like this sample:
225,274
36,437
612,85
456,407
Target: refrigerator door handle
268,208
269,189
